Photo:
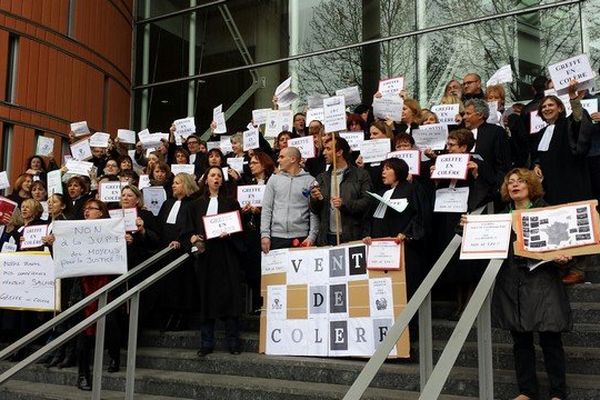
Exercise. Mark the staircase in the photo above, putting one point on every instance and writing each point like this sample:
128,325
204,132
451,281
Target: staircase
168,367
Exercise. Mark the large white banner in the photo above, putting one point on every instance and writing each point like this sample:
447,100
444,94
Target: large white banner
28,281
326,302
89,247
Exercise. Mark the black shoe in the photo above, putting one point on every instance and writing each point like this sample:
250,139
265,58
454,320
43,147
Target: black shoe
235,351
84,383
204,351
113,365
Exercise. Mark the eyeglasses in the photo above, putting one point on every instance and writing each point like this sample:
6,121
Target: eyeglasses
465,83
91,208
192,142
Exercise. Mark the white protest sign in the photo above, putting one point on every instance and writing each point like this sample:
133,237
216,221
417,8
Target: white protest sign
99,139
503,75
259,116
28,281
451,200
375,150
305,144
8,247
126,136
129,216
354,139
486,237
32,236
46,210
110,191
536,123
80,128
184,127
432,136
45,146
216,225
278,121
213,144
79,167
144,181
274,262
182,168
381,296
150,140
351,95
334,113
54,181
591,105
575,68
395,204
154,197
4,182
383,254
89,247
451,166
315,114
81,150
236,163
493,117
250,139
219,119
284,94
412,159
251,194
225,144
391,87
446,113
388,107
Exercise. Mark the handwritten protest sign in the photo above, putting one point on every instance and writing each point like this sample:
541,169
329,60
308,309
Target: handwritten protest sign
27,281
250,139
446,113
110,191
486,237
305,144
251,194
32,236
215,225
432,136
575,68
354,139
89,247
334,113
126,136
412,159
391,87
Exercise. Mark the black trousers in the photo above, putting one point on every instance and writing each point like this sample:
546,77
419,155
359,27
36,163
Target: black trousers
232,331
554,361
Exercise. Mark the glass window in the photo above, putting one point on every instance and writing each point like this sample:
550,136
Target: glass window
11,75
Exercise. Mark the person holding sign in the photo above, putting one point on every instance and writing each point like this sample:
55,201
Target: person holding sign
349,198
452,198
37,167
560,149
409,226
527,301
177,289
218,265
31,213
161,176
261,167
83,287
377,130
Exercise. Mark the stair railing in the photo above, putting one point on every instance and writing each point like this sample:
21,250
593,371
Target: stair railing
99,317
432,380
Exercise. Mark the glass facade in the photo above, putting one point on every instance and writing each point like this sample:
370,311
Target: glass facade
193,55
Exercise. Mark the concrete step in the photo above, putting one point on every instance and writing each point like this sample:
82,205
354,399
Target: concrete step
580,360
191,385
583,312
26,390
584,293
582,334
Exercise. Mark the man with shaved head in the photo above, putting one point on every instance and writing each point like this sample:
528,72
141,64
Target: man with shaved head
286,218
472,87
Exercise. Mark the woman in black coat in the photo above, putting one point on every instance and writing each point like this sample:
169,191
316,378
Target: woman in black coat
178,287
527,301
408,226
218,265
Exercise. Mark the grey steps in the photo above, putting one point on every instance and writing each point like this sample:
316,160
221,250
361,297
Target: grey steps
583,312
189,385
584,292
25,390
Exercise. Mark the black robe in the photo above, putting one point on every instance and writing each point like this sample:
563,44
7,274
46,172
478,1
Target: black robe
218,268
412,222
564,165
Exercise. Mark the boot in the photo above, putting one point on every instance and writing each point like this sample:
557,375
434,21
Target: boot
84,383
114,365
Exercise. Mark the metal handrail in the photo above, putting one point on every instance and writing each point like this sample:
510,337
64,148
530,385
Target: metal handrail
100,314
77,307
421,301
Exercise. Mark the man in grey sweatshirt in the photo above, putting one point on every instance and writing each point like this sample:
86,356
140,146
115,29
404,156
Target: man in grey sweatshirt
285,207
